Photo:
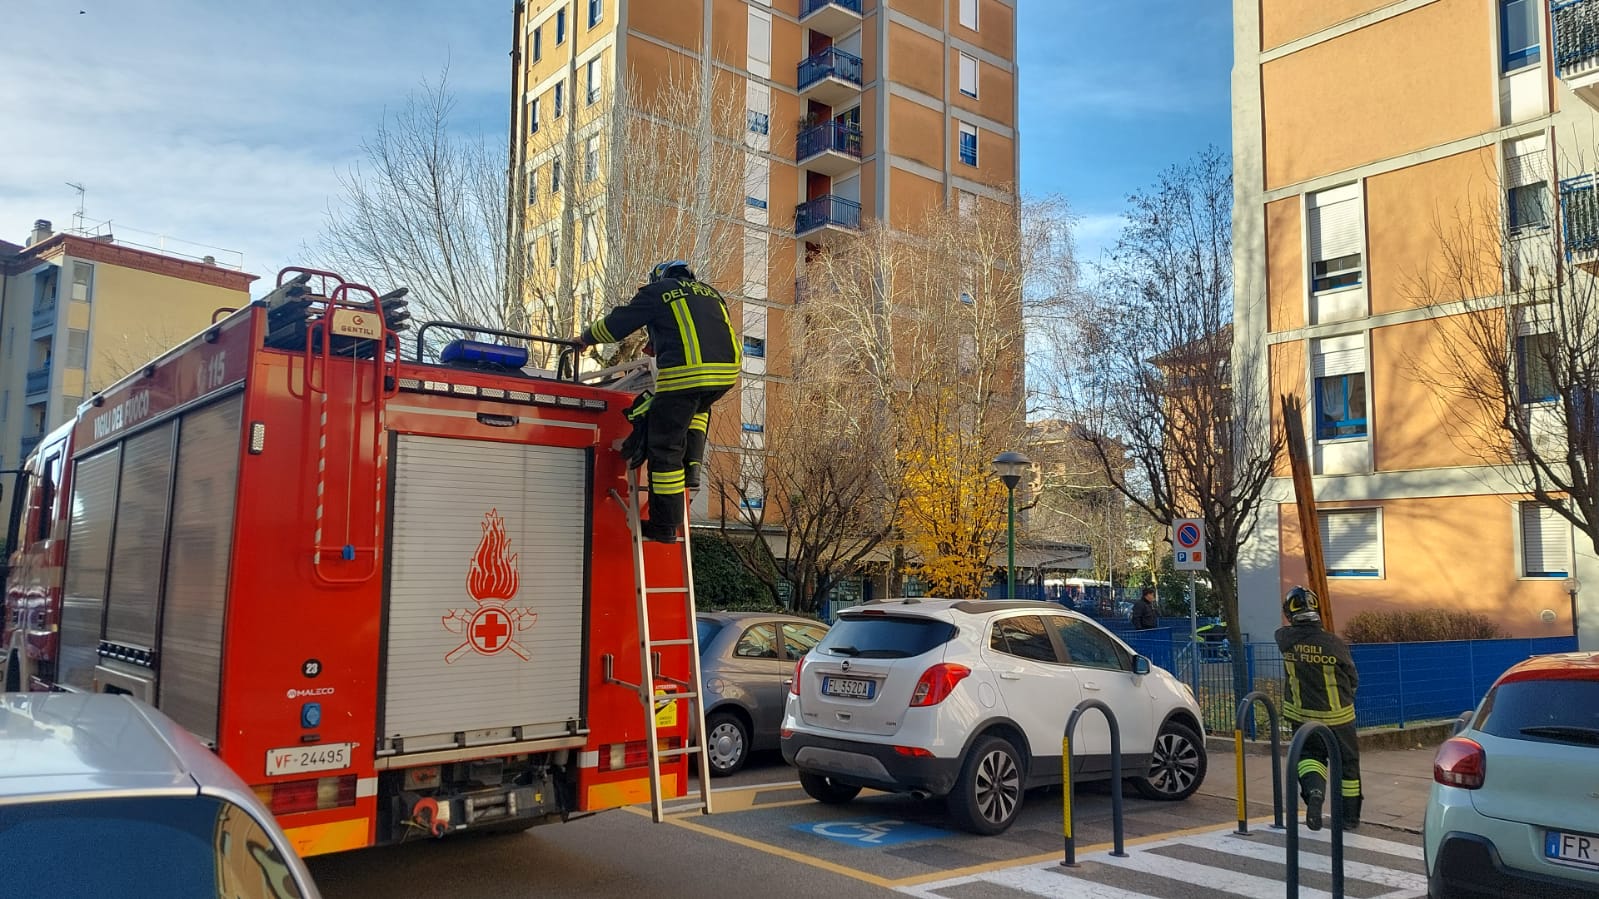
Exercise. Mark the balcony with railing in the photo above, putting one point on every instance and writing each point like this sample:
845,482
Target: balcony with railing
831,77
38,380
827,217
834,18
1579,220
832,148
29,443
1576,40
44,314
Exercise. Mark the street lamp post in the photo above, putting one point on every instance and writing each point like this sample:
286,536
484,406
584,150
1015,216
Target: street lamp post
1010,466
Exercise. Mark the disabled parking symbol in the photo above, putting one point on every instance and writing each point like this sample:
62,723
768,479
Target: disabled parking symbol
887,832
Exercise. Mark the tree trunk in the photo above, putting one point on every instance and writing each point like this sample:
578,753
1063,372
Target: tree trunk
1226,581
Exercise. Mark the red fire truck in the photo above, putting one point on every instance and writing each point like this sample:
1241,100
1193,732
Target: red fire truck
396,595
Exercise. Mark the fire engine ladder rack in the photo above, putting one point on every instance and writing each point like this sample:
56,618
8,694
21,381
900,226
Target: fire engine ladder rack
691,691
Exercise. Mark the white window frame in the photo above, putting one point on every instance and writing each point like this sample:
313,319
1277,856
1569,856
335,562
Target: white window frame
591,237
1561,537
596,12
558,94
1380,571
560,26
595,79
533,116
968,14
591,157
1344,245
968,75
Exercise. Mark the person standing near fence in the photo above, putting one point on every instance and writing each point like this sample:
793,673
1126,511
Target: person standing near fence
1321,688
1145,616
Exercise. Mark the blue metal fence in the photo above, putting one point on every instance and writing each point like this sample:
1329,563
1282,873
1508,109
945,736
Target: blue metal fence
830,135
810,6
831,62
827,210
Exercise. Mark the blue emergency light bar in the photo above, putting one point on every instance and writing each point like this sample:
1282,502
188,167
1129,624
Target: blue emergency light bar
474,352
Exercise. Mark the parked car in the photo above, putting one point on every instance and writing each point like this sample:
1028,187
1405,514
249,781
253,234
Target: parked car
1514,809
746,662
102,795
969,700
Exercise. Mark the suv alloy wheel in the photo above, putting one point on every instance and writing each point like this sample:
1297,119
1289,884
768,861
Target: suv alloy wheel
1177,767
988,796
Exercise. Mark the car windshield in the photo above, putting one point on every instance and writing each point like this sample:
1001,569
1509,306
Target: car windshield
708,629
874,637
1558,711
185,847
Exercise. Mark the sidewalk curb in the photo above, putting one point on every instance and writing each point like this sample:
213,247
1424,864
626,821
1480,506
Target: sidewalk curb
1421,735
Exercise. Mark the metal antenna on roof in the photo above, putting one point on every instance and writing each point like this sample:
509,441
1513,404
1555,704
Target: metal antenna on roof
77,217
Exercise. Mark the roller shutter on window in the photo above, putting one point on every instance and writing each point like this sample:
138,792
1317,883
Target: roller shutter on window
1545,542
1334,223
1339,356
1526,162
1351,545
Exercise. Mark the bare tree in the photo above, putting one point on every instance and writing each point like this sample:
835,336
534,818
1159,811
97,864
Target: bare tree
426,209
1148,366
1073,501
1517,351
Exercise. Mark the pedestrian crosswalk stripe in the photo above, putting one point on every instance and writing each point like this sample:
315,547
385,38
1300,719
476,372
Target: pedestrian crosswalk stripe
1217,863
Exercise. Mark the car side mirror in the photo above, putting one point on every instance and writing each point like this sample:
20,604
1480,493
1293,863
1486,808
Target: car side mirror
1462,722
1140,665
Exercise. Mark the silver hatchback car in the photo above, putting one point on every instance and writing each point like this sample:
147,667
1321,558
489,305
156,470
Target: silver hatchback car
102,795
747,662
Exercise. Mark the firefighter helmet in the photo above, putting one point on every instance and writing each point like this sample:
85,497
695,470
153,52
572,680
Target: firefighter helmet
1301,605
675,268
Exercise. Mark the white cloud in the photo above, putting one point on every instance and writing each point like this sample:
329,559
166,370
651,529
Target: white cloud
222,125
1096,233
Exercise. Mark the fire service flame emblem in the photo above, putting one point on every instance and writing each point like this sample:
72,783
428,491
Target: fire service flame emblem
492,581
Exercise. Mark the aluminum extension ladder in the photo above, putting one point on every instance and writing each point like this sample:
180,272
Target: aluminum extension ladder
692,690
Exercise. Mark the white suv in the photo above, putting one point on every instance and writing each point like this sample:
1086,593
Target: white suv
968,699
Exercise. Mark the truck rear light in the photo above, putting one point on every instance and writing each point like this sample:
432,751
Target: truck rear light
633,754
937,683
913,752
1460,762
293,796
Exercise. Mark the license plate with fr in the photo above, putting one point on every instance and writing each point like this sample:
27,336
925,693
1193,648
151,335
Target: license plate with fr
848,687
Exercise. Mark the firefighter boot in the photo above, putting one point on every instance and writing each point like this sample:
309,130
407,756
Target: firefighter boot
661,526
694,452
1313,800
1351,812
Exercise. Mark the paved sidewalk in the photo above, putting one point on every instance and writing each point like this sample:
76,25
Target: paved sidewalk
1396,783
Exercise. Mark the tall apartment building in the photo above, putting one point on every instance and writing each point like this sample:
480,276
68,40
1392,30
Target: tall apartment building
852,110
76,313
1376,145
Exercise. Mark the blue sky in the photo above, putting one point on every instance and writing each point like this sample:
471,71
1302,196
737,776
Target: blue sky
227,124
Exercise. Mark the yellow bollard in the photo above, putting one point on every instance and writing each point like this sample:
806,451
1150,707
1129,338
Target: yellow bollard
1243,787
1066,800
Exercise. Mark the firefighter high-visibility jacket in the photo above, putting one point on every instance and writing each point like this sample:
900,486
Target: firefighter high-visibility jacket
1321,675
695,347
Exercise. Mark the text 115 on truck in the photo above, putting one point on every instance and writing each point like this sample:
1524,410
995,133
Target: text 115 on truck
394,594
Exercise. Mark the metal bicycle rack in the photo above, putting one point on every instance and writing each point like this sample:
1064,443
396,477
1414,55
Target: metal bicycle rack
1335,775
1115,778
1246,709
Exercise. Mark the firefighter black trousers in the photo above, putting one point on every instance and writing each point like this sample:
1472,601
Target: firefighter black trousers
1314,776
678,420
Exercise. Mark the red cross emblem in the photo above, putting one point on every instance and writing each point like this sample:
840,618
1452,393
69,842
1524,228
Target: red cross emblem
491,581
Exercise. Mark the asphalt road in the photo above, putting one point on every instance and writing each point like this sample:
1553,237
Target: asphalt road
767,837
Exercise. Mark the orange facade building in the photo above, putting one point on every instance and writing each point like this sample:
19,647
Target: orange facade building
1389,156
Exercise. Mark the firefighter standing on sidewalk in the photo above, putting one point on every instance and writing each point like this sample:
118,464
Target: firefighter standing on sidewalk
697,357
1321,688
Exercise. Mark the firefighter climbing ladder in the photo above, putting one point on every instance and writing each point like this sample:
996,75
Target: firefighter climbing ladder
650,657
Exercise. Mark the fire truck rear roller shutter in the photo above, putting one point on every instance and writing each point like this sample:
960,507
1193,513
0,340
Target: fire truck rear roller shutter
439,681
140,539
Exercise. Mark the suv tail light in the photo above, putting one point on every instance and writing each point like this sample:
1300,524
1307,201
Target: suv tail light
1460,762
799,668
937,683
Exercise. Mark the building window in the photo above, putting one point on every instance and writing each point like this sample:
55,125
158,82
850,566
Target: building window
755,202
560,98
594,75
596,12
760,122
1351,542
1518,33
1340,372
755,346
532,186
968,144
1335,240
555,251
969,14
591,158
591,238
1529,208
77,349
754,427
555,175
533,117
538,44
968,76
82,281
1527,184
560,26
1545,542
1535,368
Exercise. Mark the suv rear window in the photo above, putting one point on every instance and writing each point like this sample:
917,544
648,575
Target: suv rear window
1560,711
885,637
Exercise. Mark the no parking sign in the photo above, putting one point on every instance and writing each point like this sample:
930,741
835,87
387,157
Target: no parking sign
1188,542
